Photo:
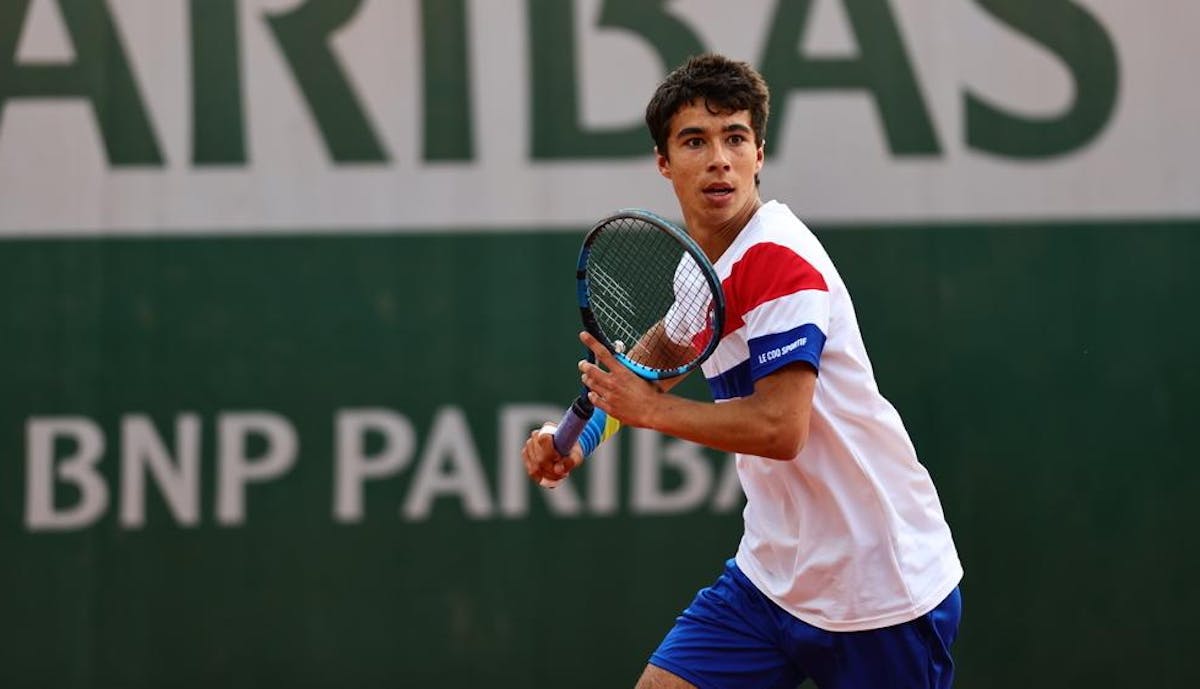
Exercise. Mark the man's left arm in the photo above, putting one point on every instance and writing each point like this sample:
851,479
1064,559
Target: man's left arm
771,422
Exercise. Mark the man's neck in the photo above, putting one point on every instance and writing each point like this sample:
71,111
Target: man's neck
714,240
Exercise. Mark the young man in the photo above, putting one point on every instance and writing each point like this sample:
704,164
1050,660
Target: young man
846,572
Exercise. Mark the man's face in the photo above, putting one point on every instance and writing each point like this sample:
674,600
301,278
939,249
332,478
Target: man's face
711,161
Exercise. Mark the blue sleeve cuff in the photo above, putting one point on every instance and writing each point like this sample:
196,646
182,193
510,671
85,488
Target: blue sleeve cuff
770,353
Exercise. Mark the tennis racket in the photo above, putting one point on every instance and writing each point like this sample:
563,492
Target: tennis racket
649,294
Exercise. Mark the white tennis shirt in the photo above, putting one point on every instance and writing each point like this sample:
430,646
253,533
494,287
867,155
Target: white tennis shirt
849,535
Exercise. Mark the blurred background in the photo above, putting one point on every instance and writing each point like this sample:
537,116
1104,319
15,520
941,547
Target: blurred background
285,284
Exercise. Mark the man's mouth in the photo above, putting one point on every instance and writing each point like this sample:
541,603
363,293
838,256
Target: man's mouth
718,190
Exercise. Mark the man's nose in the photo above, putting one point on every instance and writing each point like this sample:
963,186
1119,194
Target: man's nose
720,158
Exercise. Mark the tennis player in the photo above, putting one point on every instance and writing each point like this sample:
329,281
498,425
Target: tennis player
846,572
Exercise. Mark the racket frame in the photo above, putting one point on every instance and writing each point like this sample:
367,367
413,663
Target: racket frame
581,410
716,314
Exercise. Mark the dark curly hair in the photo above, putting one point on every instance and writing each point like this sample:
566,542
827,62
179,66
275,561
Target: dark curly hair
723,84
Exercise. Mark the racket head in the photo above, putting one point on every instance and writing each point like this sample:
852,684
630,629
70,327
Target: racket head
649,294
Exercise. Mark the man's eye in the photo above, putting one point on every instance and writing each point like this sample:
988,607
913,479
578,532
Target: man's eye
694,143
737,139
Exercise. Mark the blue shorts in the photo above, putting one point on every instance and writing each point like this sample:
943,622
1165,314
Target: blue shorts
734,636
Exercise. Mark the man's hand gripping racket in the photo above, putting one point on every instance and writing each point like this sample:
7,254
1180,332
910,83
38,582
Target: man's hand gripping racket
650,297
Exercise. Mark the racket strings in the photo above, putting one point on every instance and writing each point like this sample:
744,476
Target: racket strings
648,295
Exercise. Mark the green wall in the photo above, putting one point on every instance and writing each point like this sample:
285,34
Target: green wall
1044,370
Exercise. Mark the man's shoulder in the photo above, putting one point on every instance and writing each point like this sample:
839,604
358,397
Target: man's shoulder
772,227
775,223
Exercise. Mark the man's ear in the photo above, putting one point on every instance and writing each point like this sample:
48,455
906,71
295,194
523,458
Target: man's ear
664,164
761,154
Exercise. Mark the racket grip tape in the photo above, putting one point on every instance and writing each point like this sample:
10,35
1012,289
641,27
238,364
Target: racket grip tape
572,425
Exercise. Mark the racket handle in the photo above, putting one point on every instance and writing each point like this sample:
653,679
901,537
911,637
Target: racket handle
572,425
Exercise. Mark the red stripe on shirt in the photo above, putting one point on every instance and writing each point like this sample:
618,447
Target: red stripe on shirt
765,272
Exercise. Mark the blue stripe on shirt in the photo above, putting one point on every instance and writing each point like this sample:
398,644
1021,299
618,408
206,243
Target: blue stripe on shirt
768,354
733,383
